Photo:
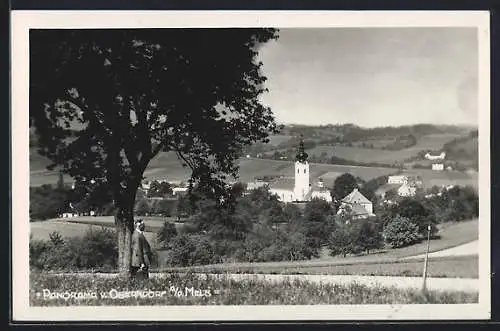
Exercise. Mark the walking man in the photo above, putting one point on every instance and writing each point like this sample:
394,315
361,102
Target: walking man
141,253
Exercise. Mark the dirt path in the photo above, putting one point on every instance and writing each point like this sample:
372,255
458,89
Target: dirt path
470,248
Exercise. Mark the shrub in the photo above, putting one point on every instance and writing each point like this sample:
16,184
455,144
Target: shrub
340,241
96,249
190,249
401,232
365,235
166,233
47,202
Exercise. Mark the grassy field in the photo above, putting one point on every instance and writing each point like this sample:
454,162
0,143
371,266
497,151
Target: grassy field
277,139
42,230
452,267
359,154
174,289
382,262
166,165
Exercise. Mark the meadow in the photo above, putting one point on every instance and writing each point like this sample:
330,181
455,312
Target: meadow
177,289
367,155
167,166
382,262
450,267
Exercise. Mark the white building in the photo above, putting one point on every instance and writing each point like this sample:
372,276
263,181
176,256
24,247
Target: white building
256,184
407,190
397,179
179,190
357,205
300,189
441,156
438,166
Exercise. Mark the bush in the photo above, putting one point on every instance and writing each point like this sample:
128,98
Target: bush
418,213
47,202
366,236
96,249
340,241
166,233
401,232
190,249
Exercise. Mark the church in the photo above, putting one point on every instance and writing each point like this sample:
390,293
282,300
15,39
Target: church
300,189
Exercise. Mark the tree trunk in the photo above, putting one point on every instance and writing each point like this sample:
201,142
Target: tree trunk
124,221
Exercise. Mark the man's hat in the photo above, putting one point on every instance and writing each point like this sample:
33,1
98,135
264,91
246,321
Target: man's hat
138,221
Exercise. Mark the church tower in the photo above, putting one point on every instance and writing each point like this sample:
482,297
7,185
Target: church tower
301,188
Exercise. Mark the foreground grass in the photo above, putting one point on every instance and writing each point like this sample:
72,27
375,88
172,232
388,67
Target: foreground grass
192,289
450,267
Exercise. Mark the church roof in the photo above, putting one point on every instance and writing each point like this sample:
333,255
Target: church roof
283,183
355,197
301,153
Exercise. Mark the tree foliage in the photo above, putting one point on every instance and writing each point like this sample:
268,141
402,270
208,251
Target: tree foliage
401,232
159,189
166,233
48,202
105,102
418,214
343,185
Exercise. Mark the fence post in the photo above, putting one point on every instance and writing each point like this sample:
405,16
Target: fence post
424,285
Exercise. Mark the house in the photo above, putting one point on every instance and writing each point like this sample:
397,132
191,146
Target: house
397,179
437,166
256,184
407,190
357,205
356,211
441,156
179,190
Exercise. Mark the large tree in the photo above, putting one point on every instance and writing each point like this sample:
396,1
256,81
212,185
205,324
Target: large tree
105,102
343,185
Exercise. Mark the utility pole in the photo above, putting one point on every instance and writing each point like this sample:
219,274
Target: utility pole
424,287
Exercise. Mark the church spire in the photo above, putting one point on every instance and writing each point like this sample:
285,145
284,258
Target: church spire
301,153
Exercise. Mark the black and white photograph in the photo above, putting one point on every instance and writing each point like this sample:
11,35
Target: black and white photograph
250,166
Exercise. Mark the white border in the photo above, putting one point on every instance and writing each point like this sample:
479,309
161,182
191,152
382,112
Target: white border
22,21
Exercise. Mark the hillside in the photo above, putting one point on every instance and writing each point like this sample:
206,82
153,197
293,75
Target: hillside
325,143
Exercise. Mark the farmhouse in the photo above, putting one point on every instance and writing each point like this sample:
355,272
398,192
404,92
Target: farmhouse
357,205
438,166
179,190
298,188
407,190
397,179
256,184
441,156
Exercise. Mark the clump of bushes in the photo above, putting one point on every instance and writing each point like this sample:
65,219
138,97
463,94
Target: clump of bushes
401,232
97,249
355,237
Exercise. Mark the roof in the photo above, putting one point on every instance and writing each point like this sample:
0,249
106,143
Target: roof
387,187
284,183
355,197
356,209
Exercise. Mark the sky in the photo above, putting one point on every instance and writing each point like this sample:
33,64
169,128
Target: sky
372,76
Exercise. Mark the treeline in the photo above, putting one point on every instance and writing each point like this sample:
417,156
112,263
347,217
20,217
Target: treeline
255,226
351,132
48,201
